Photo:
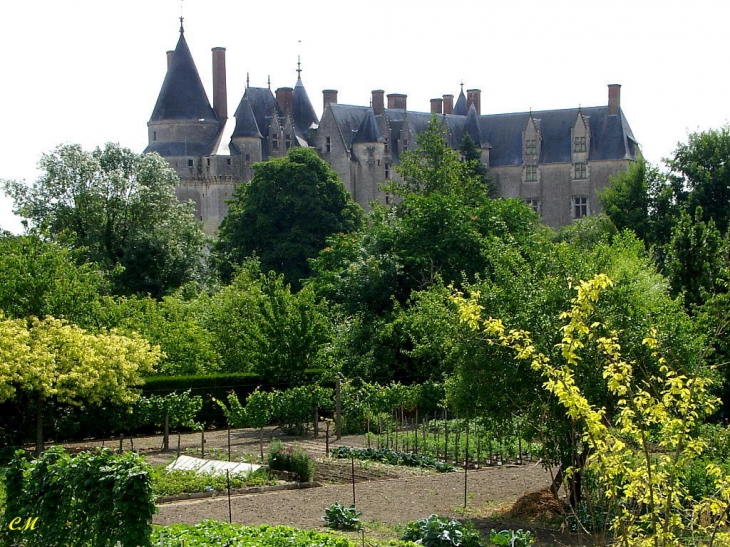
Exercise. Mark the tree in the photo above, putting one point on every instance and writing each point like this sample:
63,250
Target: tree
701,165
475,168
434,167
642,484
284,216
119,209
259,325
51,360
40,278
695,259
644,200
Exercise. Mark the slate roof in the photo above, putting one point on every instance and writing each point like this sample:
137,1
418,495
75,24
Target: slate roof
302,109
611,136
263,105
246,125
460,106
369,131
182,96
348,119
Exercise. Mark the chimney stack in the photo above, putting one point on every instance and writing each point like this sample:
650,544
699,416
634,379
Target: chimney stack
397,100
448,104
436,106
170,54
329,96
284,96
220,93
614,99
378,101
474,97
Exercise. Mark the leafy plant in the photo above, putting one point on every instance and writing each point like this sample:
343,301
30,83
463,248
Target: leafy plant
392,457
511,538
339,516
295,461
436,531
178,481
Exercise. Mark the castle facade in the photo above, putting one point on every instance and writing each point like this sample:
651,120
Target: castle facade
556,160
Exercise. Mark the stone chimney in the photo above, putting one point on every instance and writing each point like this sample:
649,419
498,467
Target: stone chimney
474,97
448,104
284,96
397,100
170,54
378,101
329,96
220,93
614,99
437,106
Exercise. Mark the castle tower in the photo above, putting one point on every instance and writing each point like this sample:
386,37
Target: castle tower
302,109
183,123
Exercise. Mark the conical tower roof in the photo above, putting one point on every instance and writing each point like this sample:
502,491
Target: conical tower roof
182,96
246,125
460,106
302,109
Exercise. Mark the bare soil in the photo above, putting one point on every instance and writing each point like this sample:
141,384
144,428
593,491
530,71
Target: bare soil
388,497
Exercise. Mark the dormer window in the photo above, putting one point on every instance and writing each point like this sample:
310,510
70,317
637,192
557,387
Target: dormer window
579,144
386,146
328,144
531,147
287,141
274,142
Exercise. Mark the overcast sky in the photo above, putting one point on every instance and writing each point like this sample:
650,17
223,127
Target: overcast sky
89,71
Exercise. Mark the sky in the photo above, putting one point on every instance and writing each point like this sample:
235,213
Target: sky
89,71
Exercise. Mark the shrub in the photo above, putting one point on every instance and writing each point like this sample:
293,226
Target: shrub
339,516
436,531
295,461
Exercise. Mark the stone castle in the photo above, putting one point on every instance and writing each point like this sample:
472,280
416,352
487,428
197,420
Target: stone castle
556,160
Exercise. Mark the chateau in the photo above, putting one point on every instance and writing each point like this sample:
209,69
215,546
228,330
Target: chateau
556,160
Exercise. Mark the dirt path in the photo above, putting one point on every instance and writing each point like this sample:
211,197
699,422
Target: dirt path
395,501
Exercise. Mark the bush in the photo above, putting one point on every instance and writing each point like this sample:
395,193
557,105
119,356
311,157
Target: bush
339,516
295,461
436,531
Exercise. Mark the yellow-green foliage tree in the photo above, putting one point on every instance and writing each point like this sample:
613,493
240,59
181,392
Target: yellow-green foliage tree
48,359
640,479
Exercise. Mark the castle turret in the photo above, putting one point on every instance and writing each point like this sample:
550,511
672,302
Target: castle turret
183,123
302,109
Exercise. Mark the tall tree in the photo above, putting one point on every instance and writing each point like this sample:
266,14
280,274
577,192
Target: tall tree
40,278
120,209
475,168
701,165
695,259
284,216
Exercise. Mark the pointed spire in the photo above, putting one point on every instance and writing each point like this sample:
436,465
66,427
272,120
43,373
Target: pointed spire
460,106
299,67
182,29
269,79
248,80
182,96
302,109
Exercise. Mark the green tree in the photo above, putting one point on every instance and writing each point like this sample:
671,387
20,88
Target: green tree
40,278
284,216
695,260
119,209
475,168
260,326
701,165
49,360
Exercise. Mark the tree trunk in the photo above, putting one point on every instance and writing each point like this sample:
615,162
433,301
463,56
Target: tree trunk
39,425
166,431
